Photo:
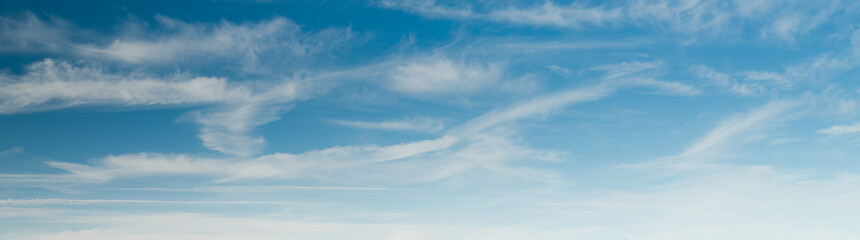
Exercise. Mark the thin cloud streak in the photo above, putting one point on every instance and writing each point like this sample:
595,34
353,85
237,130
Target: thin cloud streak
838,130
61,201
411,124
782,21
267,188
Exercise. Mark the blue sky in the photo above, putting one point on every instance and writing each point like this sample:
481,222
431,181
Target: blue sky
410,119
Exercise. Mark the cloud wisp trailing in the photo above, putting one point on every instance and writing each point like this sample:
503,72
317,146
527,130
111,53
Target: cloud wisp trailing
412,124
710,145
476,144
55,201
838,130
784,21
234,108
412,119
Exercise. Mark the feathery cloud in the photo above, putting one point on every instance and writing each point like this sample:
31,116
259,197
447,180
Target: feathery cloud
439,75
409,124
840,129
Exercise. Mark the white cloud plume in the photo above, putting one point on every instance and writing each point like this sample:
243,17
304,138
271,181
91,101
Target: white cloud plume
841,129
51,85
784,20
749,83
550,14
266,188
27,32
439,75
228,126
270,47
626,69
11,151
278,41
710,145
311,164
60,201
410,124
532,107
234,108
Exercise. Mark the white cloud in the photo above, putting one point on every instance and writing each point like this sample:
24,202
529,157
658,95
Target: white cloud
550,14
710,145
532,107
770,77
311,164
272,47
11,151
748,83
802,18
622,75
266,188
439,75
479,145
785,20
29,33
667,88
409,124
626,69
682,16
641,74
278,41
51,85
718,78
430,9
494,151
235,108
841,129
559,70
60,201
228,128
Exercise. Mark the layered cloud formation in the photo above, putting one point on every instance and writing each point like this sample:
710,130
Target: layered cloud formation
430,120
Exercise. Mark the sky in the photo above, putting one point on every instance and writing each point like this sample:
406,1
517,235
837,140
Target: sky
411,119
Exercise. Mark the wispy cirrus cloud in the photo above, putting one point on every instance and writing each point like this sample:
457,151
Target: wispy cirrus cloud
11,151
258,46
228,125
27,33
268,48
262,188
783,21
747,83
814,72
728,138
532,107
235,107
736,125
479,138
441,75
50,84
549,14
838,130
310,164
409,124
60,201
